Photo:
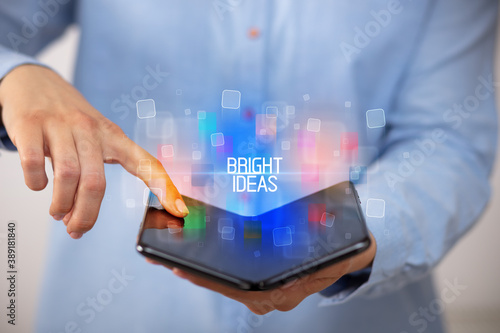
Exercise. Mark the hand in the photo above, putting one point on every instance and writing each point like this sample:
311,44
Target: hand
46,116
287,297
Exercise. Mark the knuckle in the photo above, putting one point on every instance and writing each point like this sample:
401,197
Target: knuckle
86,123
32,160
110,128
68,170
36,115
94,183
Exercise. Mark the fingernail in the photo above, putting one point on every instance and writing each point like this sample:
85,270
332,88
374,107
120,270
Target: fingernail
76,235
181,207
58,217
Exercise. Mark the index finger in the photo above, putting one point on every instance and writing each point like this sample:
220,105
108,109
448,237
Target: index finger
146,167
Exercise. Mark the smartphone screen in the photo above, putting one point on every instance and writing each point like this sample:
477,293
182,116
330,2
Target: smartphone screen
258,252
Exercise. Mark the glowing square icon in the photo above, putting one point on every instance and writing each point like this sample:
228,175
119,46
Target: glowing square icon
296,126
227,233
313,125
231,99
167,151
146,108
187,112
348,104
306,97
285,145
272,111
282,236
217,139
202,114
375,208
327,219
358,174
196,155
375,118
290,110
130,203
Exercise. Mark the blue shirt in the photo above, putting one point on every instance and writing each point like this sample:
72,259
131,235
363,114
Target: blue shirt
428,64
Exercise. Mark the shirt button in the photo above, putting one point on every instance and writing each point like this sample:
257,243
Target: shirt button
253,33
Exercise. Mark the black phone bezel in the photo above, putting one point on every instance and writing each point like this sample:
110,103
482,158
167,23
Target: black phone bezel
269,283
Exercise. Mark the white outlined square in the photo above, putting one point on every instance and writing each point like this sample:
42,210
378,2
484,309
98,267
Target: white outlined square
375,208
231,99
375,118
145,108
167,151
313,125
272,111
196,155
217,139
282,236
327,219
202,114
130,203
227,233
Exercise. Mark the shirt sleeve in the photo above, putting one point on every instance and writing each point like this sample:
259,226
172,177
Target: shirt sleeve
27,26
431,182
